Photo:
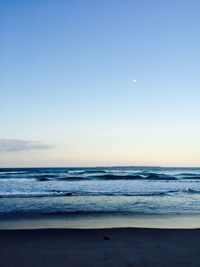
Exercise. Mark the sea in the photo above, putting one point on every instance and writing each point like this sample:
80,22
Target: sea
100,190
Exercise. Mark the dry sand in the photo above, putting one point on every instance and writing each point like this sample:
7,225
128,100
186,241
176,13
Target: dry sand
101,247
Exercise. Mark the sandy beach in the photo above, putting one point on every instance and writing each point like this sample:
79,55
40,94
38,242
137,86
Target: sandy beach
100,247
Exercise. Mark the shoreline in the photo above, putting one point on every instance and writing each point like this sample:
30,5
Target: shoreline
100,221
100,247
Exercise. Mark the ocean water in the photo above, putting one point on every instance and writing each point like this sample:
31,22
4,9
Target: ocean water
115,190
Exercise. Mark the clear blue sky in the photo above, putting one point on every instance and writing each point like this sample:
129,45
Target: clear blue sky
67,71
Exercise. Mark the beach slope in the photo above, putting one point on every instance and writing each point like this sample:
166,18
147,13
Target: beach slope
101,247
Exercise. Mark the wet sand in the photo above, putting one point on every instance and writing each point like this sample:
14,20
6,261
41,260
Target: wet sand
100,247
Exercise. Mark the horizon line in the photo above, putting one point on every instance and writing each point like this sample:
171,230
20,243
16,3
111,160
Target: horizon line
101,166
